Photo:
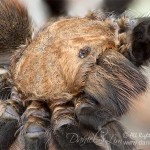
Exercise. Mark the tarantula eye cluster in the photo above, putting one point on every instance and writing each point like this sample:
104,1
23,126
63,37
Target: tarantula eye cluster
84,52
80,83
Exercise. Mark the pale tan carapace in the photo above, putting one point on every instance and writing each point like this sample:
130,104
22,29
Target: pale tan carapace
51,67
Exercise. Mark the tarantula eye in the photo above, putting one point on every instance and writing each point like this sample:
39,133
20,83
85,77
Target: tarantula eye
84,52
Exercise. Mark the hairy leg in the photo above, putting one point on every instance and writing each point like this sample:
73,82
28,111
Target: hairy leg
141,43
10,112
35,126
108,94
5,85
66,131
103,122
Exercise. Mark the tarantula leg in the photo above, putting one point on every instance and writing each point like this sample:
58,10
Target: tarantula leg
102,122
10,111
117,137
141,43
5,85
66,131
90,114
36,120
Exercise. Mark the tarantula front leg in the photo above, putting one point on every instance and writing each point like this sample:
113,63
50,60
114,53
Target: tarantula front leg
112,87
36,121
10,111
91,114
66,130
101,119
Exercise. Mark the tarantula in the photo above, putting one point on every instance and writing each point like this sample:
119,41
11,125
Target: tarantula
76,75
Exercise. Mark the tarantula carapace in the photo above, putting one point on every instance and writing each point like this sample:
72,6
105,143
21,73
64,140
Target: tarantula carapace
71,80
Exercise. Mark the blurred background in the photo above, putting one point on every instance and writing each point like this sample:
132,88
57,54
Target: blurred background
137,121
41,10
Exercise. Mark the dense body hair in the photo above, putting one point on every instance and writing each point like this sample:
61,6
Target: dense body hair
73,77
78,57
54,56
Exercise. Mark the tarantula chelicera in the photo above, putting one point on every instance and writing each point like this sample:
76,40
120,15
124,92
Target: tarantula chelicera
71,80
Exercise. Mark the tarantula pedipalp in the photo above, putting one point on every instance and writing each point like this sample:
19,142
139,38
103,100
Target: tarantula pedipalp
75,76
